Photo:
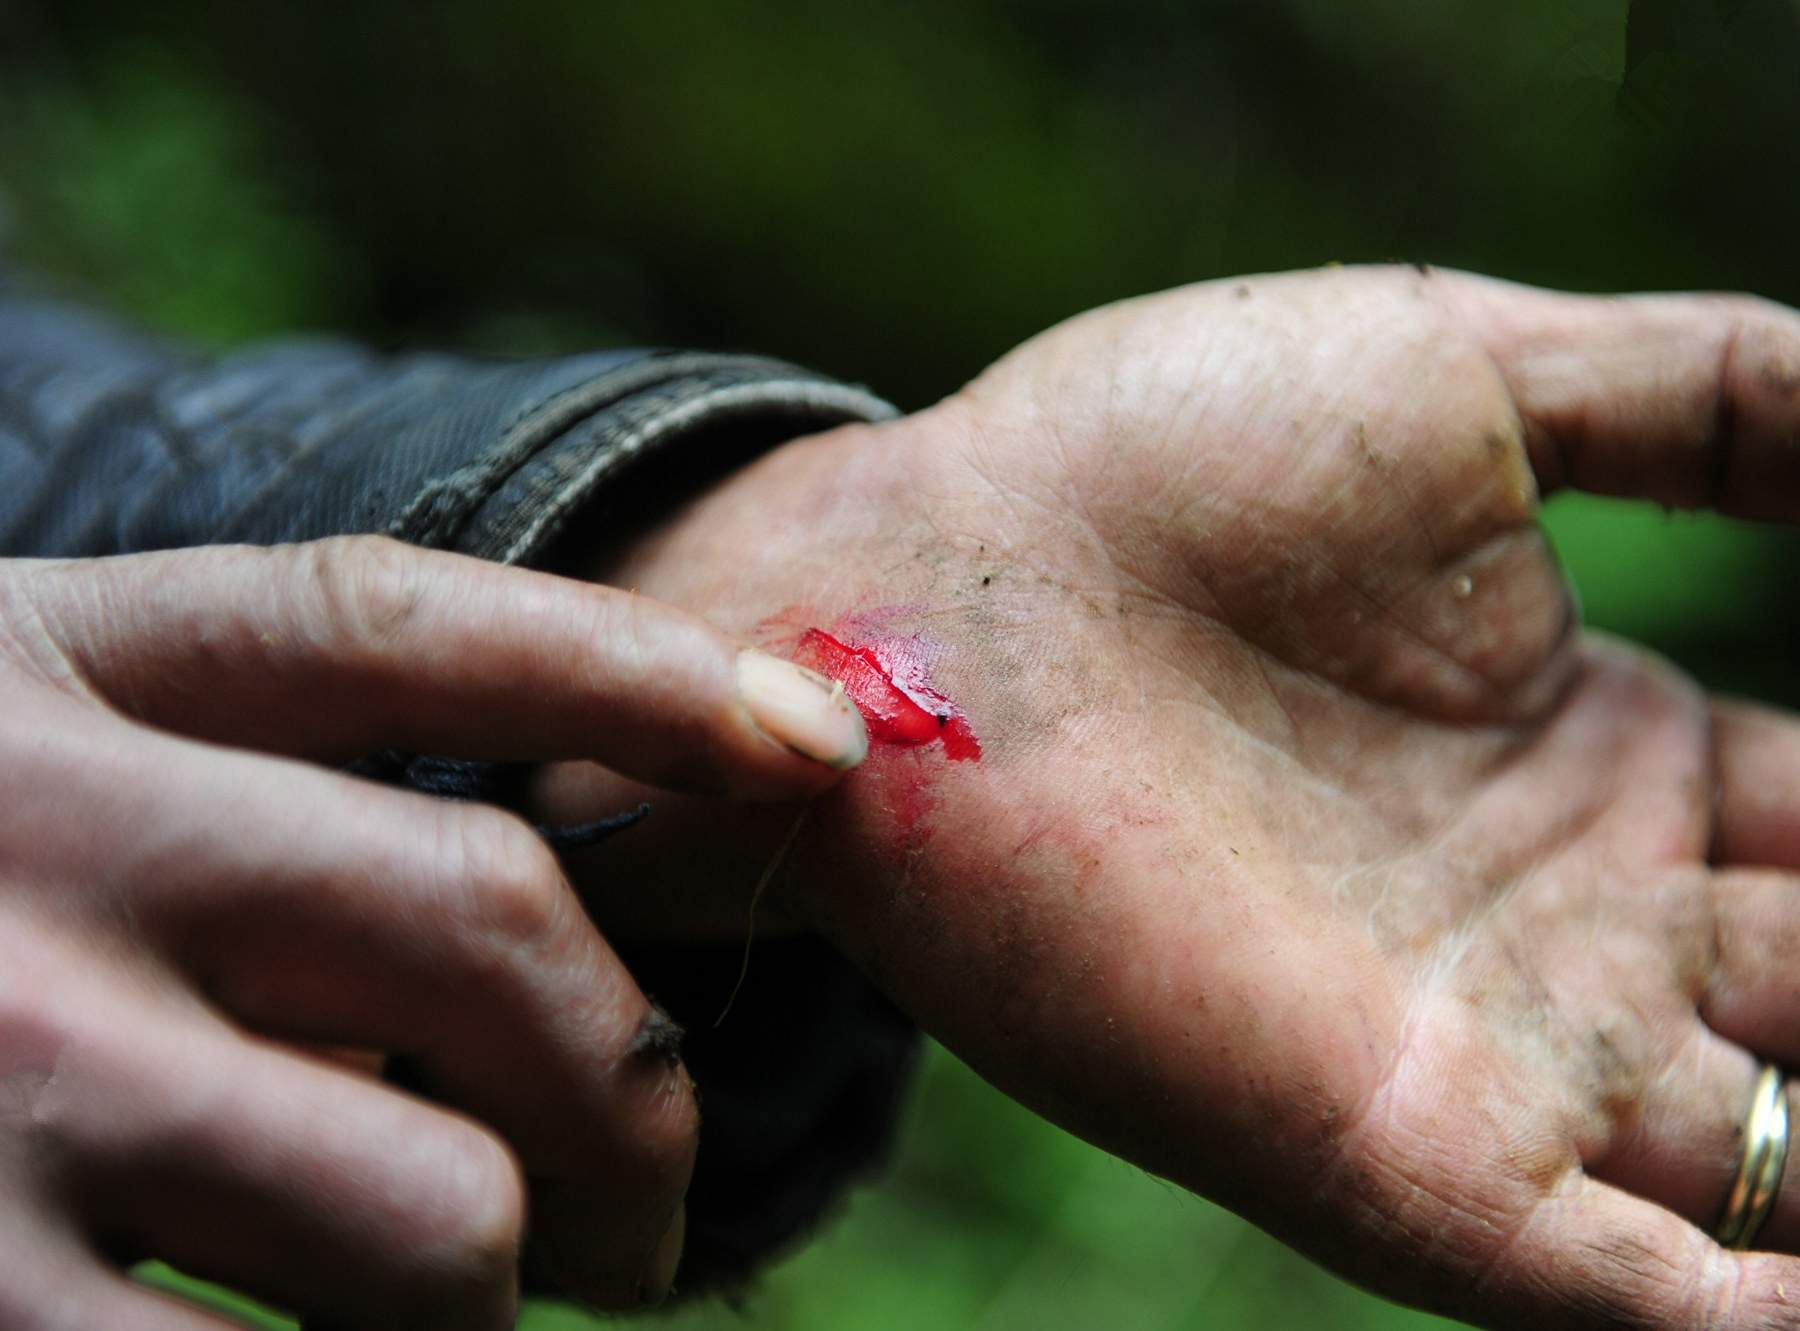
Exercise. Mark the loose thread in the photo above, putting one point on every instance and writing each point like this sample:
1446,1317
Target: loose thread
574,836
756,896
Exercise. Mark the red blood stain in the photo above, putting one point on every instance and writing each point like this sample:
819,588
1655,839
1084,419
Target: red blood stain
888,684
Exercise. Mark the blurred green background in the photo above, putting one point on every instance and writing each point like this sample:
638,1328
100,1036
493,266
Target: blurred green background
897,193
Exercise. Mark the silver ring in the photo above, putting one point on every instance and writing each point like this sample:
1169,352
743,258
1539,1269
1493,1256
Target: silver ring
1752,1194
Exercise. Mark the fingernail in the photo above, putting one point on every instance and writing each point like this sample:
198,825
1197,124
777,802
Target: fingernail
659,1276
801,709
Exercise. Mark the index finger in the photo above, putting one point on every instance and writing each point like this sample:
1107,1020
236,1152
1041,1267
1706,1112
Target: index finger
1690,400
341,647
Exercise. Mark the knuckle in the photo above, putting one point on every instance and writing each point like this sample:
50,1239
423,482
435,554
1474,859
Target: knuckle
1635,1279
364,590
32,644
668,657
1767,348
36,1033
472,1223
513,893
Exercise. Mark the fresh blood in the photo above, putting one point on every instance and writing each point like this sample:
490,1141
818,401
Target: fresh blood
888,684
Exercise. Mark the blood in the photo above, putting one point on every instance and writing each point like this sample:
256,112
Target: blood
889,686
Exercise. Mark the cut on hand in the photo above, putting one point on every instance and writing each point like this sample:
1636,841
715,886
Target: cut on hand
1318,860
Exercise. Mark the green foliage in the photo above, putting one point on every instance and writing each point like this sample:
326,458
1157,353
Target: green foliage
1710,593
150,191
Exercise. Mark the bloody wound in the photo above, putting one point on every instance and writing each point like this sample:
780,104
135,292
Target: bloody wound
888,685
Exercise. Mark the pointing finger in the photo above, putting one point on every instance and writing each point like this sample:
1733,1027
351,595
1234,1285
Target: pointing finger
340,647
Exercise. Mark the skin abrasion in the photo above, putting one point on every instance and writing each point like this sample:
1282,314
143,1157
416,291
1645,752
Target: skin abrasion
888,684
910,721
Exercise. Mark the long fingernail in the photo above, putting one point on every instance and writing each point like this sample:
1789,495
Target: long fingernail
659,1276
801,709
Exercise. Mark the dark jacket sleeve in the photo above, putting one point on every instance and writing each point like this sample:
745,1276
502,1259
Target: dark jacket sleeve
111,442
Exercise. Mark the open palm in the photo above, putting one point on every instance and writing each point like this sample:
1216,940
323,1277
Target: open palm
1315,858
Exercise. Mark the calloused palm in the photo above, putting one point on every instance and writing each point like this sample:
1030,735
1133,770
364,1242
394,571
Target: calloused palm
1316,859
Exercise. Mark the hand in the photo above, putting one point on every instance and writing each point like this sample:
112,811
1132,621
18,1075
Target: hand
176,916
1314,858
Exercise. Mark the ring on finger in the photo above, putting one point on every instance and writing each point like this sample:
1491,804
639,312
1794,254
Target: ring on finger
1752,1195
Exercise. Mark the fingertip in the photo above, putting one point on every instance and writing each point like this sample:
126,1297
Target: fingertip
801,711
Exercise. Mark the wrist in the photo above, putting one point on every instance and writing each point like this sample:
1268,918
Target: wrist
778,527
797,538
